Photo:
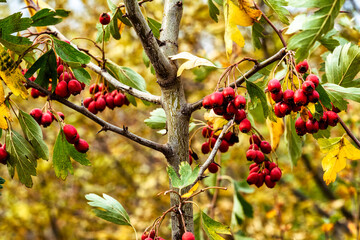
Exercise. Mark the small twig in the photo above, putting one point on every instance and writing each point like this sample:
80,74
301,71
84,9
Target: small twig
203,190
349,133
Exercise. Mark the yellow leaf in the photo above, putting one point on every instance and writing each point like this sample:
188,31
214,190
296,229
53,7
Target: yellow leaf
216,121
351,152
248,7
41,4
327,227
276,131
191,191
271,214
4,113
2,94
12,75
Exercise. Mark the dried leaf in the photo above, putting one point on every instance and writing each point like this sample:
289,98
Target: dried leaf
192,61
276,131
4,113
191,191
249,8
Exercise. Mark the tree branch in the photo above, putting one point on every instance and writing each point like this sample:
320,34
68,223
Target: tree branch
105,125
349,133
163,67
277,56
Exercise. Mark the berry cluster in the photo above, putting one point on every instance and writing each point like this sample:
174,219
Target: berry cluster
3,154
73,137
45,118
229,139
102,99
267,172
329,118
68,84
150,236
230,106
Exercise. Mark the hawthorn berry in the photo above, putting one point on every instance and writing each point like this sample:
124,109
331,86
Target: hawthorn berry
207,102
217,99
314,79
213,168
100,104
308,87
206,132
275,174
284,108
70,132
255,169
87,101
229,93
251,154
289,96
268,182
3,155
188,236
110,101
255,139
92,107
35,93
265,147
274,86
300,124
245,126
224,146
302,67
231,108
323,124
119,100
260,157
205,148
312,126
252,178
61,115
278,97
46,119
64,77
300,99
74,87
60,69
36,113
332,118
277,110
104,18
240,115
252,166
94,88
81,146
314,97
240,102
260,181
62,89
254,146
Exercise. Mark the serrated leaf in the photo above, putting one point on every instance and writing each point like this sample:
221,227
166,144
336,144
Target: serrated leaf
34,134
157,120
197,227
82,75
256,92
175,180
296,24
47,65
155,26
14,23
70,54
277,7
21,158
108,209
46,17
338,93
316,26
294,142
342,65
4,114
187,175
213,10
192,61
328,41
324,97
15,43
213,228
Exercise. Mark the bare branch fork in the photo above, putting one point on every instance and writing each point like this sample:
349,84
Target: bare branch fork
163,148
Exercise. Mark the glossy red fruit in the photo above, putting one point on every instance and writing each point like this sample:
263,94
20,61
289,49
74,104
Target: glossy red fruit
332,118
35,93
278,97
252,178
272,165
206,132
300,99
277,111
240,115
207,102
104,18
323,124
300,124
100,104
224,146
285,108
254,146
188,236
152,234
314,79
46,119
302,67
62,89
274,86
36,113
144,236
314,97
60,69
253,165
61,115
94,88
275,174
119,100
312,126
227,136
3,155
81,146
219,110
245,126
260,181
228,116
64,77
92,107
268,182
255,139
229,93
255,169
231,108
205,148
213,141
251,155
87,101
110,102
334,109
265,147
265,172
70,132
74,87
213,168
289,96
240,102
259,157
217,99
308,87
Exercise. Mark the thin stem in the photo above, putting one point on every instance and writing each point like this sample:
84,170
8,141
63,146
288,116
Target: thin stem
349,133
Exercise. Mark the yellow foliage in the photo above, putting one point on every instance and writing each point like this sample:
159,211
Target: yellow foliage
4,113
337,153
276,131
191,191
271,214
2,94
215,120
248,7
327,227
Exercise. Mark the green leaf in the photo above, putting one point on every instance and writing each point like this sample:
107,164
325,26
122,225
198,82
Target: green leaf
14,23
175,180
256,92
157,120
342,65
34,134
328,143
70,54
338,94
297,24
257,34
294,143
241,207
329,42
277,7
108,209
82,75
243,186
324,97
46,17
213,10
112,6
21,158
47,65
316,25
114,27
214,228
187,175
123,19
78,156
197,227
155,26
100,33
3,1
15,43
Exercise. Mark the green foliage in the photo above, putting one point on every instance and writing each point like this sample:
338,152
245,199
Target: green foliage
155,26
277,7
256,92
70,54
338,94
213,228
316,25
22,157
328,41
157,120
294,142
187,175
324,97
82,75
46,17
241,208
108,209
257,34
213,10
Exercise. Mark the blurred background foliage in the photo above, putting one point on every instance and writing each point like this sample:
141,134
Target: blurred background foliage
299,207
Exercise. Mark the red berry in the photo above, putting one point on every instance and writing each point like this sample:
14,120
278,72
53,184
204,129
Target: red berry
255,169
188,236
114,93
275,174
259,157
245,126
300,99
74,87
278,97
64,77
144,236
308,87
255,139
62,89
3,155
46,119
274,86
110,102
228,116
60,69
252,178
152,234
87,101
334,109
314,97
227,136
205,148
36,113
92,107
253,165
277,110
94,88
265,147
213,141
260,181
82,146
207,102
314,79
206,132
300,124
100,104
119,100
213,168
251,154
231,108
272,165
70,132
61,115
35,93
224,146
284,108
254,146
240,115
219,110
332,118
268,182
240,101
104,18
312,126
289,96
217,99
323,124
302,67
228,93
